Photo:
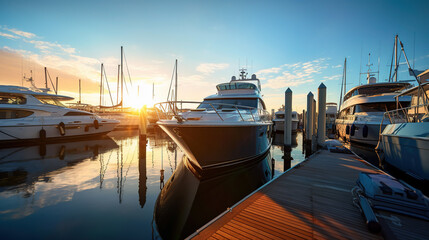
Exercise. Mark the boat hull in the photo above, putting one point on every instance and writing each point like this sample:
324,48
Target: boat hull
28,131
360,132
216,145
406,147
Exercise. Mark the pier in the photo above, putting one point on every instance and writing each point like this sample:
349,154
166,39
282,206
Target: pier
313,200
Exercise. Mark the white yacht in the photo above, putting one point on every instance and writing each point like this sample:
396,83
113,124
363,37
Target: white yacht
405,141
34,115
279,121
331,115
227,128
361,113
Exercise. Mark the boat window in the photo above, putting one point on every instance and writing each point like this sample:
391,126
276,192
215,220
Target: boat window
280,116
14,113
73,113
217,103
49,100
379,107
11,99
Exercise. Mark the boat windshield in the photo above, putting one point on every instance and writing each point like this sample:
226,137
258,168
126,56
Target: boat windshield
49,100
217,103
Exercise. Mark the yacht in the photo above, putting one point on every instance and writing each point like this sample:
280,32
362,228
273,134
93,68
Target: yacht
405,141
34,115
361,114
227,128
331,115
279,121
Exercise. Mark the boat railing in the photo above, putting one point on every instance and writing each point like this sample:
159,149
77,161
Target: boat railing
415,113
175,109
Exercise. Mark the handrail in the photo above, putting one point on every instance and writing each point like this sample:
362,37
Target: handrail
175,111
406,115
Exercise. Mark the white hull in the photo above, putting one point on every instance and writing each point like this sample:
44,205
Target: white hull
361,132
406,147
279,125
29,129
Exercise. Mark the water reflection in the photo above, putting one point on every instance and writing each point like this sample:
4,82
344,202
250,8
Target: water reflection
100,187
189,200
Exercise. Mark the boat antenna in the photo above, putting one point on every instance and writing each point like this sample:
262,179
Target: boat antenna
101,83
391,63
360,67
153,90
243,74
117,85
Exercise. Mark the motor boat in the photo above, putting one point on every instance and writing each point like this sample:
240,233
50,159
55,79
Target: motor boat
279,121
405,141
227,128
361,113
34,115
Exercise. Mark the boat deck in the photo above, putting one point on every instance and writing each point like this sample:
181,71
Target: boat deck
311,201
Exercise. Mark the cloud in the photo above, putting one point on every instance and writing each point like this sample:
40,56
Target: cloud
7,35
334,77
20,33
337,66
293,74
207,68
43,45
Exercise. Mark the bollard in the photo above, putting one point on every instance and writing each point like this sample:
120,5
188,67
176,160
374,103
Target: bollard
321,118
288,118
143,124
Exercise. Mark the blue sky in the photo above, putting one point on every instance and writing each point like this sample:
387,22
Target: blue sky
296,44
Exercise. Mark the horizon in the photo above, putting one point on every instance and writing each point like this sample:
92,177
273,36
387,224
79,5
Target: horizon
286,44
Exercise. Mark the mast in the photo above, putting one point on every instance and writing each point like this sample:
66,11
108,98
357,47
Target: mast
117,85
122,77
343,85
175,89
153,91
56,86
396,58
101,83
80,93
46,79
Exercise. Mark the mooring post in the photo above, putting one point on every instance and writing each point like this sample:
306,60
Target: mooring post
143,124
142,173
288,118
314,137
309,124
321,118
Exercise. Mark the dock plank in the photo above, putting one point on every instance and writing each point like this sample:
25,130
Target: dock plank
312,201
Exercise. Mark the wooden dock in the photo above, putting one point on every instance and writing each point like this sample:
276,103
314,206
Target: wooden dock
310,201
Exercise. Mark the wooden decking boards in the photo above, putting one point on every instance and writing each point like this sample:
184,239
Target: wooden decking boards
311,201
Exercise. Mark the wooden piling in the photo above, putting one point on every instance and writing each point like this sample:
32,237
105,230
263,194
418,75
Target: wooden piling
321,119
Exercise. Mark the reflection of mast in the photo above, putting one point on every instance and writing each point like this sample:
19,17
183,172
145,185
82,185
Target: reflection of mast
103,168
119,173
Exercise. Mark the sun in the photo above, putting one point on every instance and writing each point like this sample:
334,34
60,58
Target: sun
137,99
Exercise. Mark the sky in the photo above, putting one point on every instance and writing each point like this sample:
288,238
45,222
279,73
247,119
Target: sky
295,44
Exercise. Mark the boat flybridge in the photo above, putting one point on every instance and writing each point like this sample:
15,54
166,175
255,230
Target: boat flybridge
34,115
227,128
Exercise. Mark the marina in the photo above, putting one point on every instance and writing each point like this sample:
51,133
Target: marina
218,120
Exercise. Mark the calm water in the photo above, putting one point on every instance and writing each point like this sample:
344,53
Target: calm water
107,188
